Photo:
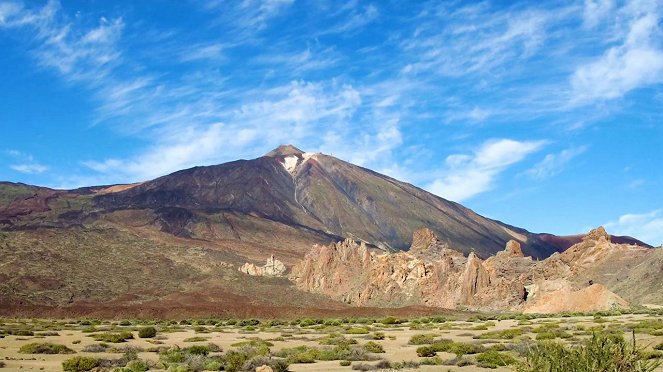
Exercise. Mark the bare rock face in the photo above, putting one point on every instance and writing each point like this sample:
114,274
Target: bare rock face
272,267
591,298
513,248
597,234
431,274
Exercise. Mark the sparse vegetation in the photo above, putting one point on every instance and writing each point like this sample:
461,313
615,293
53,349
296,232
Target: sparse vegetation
599,353
147,332
113,337
44,348
79,364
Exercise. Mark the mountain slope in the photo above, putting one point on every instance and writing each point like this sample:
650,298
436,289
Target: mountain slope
323,194
154,244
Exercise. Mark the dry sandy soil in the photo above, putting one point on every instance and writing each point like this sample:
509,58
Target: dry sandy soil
396,341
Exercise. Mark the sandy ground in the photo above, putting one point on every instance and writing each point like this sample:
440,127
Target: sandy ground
395,344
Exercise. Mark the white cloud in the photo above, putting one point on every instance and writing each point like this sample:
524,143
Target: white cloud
357,18
553,164
75,54
31,168
596,10
647,227
474,40
285,114
25,163
249,15
469,175
637,62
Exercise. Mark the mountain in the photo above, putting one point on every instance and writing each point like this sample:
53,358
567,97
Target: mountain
153,246
322,194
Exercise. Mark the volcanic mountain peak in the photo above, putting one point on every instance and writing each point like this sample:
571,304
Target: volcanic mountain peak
285,150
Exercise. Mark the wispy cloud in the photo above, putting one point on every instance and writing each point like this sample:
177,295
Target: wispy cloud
25,163
554,164
248,15
636,62
285,114
75,53
356,18
647,227
467,175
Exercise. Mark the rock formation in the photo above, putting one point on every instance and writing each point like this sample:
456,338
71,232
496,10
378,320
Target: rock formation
272,267
431,274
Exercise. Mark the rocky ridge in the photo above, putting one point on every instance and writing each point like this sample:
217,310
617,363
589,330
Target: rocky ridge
431,274
272,267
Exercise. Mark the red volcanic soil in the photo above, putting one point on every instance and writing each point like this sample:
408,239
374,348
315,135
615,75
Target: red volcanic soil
562,243
214,303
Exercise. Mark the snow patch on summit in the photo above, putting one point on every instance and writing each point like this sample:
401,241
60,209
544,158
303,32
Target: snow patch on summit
290,163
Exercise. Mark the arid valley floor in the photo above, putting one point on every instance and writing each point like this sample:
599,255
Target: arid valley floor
473,342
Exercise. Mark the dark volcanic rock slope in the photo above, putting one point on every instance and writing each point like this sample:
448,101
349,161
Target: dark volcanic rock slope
324,195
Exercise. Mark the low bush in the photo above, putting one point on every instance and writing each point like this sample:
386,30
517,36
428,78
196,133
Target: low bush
345,363
505,334
195,339
378,336
113,337
373,347
494,359
426,351
390,320
383,364
357,331
147,332
44,348
422,339
96,348
79,364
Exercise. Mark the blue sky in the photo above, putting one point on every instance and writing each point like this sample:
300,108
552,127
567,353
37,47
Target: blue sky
546,116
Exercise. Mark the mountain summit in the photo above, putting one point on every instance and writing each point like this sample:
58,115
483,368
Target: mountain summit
186,233
328,197
285,150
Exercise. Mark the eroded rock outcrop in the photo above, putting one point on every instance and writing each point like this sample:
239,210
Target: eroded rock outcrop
432,274
272,267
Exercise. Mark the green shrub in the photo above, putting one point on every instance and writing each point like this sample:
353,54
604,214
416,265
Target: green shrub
2,364
234,360
373,347
79,364
600,353
213,365
195,339
113,337
659,346
20,332
426,351
137,366
494,359
344,363
378,336
147,332
357,331
179,368
44,348
422,339
390,320
505,334
197,350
